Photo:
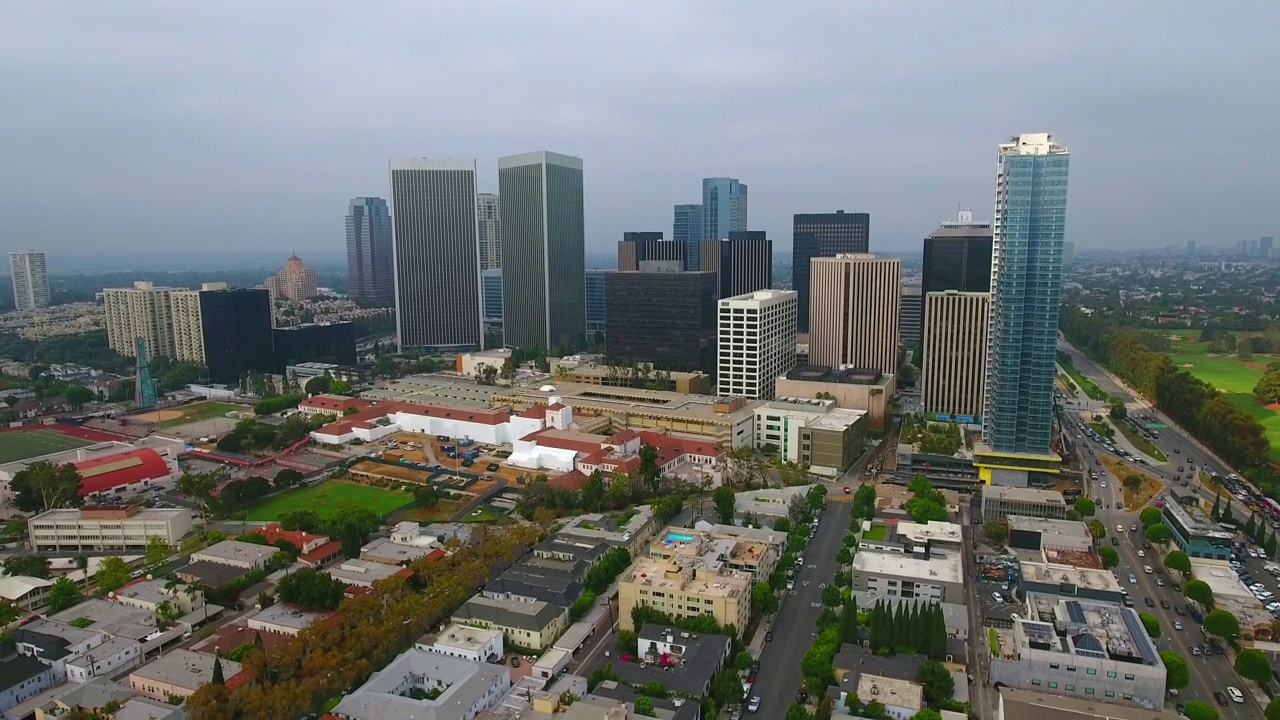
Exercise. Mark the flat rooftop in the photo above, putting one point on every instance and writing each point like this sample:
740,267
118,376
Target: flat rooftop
1092,630
946,567
688,575
1222,580
287,616
1022,704
837,419
380,697
932,530
236,551
848,376
462,637
891,691
184,668
71,515
1049,526
1052,574
362,572
1196,521
610,527
1017,494
654,403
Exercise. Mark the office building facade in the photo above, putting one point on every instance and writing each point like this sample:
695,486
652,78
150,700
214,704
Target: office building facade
756,342
666,319
954,355
724,207
648,251
330,342
743,263
30,272
543,249
855,311
596,312
236,325
491,288
370,268
957,256
489,218
1026,288
434,219
686,229
823,235
910,316
295,282
142,311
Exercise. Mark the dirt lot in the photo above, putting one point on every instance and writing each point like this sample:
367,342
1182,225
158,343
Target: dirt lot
1121,470
431,454
400,473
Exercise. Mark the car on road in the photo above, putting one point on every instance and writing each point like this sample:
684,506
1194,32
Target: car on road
768,636
1133,527
1164,604
847,491
1119,528
1104,483
1177,610
754,705
1115,540
1150,603
1195,650
1236,695
791,584
1133,579
1177,624
1160,582
1143,553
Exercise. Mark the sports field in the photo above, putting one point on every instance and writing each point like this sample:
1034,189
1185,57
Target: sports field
1230,376
327,497
183,414
25,444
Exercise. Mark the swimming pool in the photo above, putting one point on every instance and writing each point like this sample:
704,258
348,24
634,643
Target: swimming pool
674,537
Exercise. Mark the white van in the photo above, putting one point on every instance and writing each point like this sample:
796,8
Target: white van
997,597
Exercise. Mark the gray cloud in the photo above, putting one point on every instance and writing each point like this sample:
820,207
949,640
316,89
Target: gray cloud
149,126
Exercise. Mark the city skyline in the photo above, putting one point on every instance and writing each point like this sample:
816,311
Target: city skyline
272,153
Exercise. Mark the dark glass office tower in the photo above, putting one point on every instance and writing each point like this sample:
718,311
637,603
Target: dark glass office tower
333,342
543,249
639,248
957,256
822,235
664,318
370,273
687,230
743,263
236,327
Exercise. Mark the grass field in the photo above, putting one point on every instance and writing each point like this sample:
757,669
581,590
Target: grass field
196,412
1228,375
25,444
1089,387
327,497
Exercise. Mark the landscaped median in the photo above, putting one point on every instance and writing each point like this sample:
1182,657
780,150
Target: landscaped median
1140,443
1089,387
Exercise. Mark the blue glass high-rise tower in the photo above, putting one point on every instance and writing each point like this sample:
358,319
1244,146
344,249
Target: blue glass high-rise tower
1026,287
724,207
687,230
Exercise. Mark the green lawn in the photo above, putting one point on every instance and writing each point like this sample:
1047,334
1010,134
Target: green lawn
196,412
876,533
327,497
1089,387
26,444
1143,445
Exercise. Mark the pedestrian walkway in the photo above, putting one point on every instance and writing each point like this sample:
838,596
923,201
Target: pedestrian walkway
839,498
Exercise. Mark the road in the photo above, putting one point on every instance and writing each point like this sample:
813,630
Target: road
793,627
1209,674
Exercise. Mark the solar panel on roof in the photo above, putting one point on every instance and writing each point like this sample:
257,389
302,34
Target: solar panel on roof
1087,644
1075,612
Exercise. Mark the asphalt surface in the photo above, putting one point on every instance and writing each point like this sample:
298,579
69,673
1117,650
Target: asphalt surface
1209,674
793,627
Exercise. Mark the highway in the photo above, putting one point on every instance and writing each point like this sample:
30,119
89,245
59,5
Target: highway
1209,674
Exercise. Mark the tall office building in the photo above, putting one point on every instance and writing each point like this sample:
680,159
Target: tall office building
236,325
30,275
433,211
647,250
295,281
743,263
489,210
663,319
491,288
854,312
955,347
543,249
188,327
1265,243
142,311
686,229
1026,287
724,207
1068,252
957,256
756,342
329,342
596,313
911,315
370,270
823,235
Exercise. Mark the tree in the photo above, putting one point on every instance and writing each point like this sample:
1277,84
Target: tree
1179,675
304,520
831,595
43,486
1197,710
864,502
644,706
311,588
924,510
592,493
1251,527
937,682
318,385
1149,516
1118,411
1085,507
1132,482
1252,664
1271,545
1199,591
286,478
217,678
649,470
1222,624
351,525
996,532
36,566
1097,529
1216,512
112,574
1273,710
927,714
1110,558
724,501
844,556
198,487
62,595
1151,624
1158,534
763,599
796,711
157,552
1178,560
340,387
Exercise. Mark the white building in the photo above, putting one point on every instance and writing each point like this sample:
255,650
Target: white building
142,311
406,544
104,660
30,279
283,619
493,427
815,432
465,642
756,342
106,528
364,573
235,553
467,689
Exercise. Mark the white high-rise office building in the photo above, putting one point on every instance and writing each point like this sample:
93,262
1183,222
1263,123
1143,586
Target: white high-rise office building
30,279
756,342
142,311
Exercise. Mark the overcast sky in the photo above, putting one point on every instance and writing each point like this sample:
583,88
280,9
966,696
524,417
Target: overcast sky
161,127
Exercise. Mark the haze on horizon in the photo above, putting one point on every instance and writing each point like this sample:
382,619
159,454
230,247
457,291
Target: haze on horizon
149,127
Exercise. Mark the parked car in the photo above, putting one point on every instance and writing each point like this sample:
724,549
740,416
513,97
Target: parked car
754,705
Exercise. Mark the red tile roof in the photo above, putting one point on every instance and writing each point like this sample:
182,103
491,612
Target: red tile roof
621,437
273,532
572,480
240,679
365,418
534,412
549,437
336,404
105,473
557,406
322,553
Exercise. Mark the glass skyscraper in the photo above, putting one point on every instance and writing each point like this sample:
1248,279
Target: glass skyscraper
370,270
687,230
595,304
724,207
1026,286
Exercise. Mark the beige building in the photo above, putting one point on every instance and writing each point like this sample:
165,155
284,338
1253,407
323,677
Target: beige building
489,218
142,311
188,330
812,432
954,350
295,281
106,528
755,551
870,391
534,625
854,311
686,587
178,673
588,371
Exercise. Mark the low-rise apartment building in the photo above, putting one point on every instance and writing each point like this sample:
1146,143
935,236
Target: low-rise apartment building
937,576
755,551
465,642
106,528
685,587
632,530
105,660
533,625
178,673
235,553
462,689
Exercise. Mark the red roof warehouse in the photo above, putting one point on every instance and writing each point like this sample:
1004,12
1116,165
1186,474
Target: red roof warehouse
104,474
